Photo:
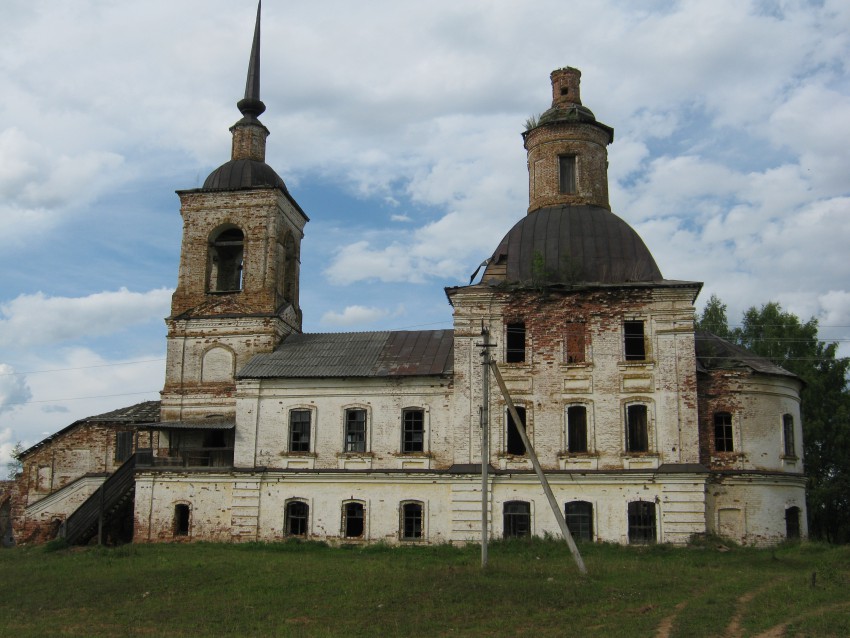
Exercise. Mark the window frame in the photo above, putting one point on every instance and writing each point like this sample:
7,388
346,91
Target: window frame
724,432
644,437
569,429
579,523
291,443
511,521
349,444
182,514
789,444
516,342
509,422
218,252
635,345
642,528
289,517
346,517
407,515
793,531
408,443
567,174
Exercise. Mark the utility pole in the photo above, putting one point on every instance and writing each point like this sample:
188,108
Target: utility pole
485,440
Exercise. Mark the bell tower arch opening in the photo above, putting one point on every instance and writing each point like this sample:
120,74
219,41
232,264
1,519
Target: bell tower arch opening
226,255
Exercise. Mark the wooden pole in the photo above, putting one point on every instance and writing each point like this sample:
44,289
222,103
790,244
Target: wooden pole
556,509
485,442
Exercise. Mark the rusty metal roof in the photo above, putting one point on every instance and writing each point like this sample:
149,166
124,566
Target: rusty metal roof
715,353
357,354
573,244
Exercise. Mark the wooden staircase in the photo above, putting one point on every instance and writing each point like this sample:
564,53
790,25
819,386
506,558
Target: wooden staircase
96,511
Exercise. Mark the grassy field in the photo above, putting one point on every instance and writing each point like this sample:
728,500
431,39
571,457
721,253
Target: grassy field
530,589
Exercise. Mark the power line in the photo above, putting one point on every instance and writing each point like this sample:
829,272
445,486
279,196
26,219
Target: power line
100,365
101,396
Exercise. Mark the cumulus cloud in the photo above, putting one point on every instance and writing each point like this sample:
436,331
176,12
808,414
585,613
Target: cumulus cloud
354,316
14,390
32,319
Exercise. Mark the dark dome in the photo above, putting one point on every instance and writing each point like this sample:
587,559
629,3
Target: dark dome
243,173
572,244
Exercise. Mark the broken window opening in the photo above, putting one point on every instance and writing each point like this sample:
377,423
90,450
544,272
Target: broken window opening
226,255
579,517
181,519
723,432
641,523
577,428
514,440
352,520
355,430
567,174
633,341
517,519
515,343
411,521
574,344
792,523
299,430
123,446
413,433
637,428
297,514
788,434
290,274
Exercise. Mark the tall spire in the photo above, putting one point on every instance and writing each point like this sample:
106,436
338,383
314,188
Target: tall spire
251,105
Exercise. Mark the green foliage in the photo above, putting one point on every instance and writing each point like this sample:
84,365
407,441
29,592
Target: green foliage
15,466
531,588
781,337
532,121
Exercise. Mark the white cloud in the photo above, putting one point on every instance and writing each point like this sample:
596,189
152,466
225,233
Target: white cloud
14,390
37,319
6,447
354,316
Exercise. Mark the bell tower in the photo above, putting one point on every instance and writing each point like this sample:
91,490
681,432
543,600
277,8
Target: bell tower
238,283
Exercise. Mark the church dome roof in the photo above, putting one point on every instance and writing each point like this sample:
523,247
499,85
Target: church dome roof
243,173
570,244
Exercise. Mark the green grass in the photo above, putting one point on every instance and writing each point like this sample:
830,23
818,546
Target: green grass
530,589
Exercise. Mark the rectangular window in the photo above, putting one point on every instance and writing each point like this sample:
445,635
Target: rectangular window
723,432
574,344
123,446
637,430
641,523
297,515
633,341
355,430
579,518
517,519
788,434
515,347
181,519
299,431
514,440
411,521
353,520
567,174
413,433
577,428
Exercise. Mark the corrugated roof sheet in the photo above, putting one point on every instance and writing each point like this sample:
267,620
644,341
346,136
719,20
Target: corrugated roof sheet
714,353
357,354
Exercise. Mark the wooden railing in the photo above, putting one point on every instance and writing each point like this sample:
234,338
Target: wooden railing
187,457
88,519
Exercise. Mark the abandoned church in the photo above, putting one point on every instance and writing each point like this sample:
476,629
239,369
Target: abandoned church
647,431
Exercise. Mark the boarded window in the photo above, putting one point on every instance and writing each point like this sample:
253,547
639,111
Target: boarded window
355,430
352,520
297,515
217,365
514,440
788,434
723,432
641,523
579,517
299,431
226,252
517,519
411,521
792,523
574,344
515,347
633,341
413,434
181,519
637,429
123,446
577,428
567,174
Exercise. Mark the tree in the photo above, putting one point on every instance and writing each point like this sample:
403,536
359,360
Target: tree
781,337
14,467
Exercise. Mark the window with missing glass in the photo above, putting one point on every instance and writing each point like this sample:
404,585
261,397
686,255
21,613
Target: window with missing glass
637,428
567,174
723,432
577,428
517,519
411,521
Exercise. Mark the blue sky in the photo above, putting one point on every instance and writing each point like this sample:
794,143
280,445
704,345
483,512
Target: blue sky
396,125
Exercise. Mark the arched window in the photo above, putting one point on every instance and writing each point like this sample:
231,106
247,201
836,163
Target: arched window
641,523
353,520
226,253
792,523
517,519
297,515
579,517
411,521
182,519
